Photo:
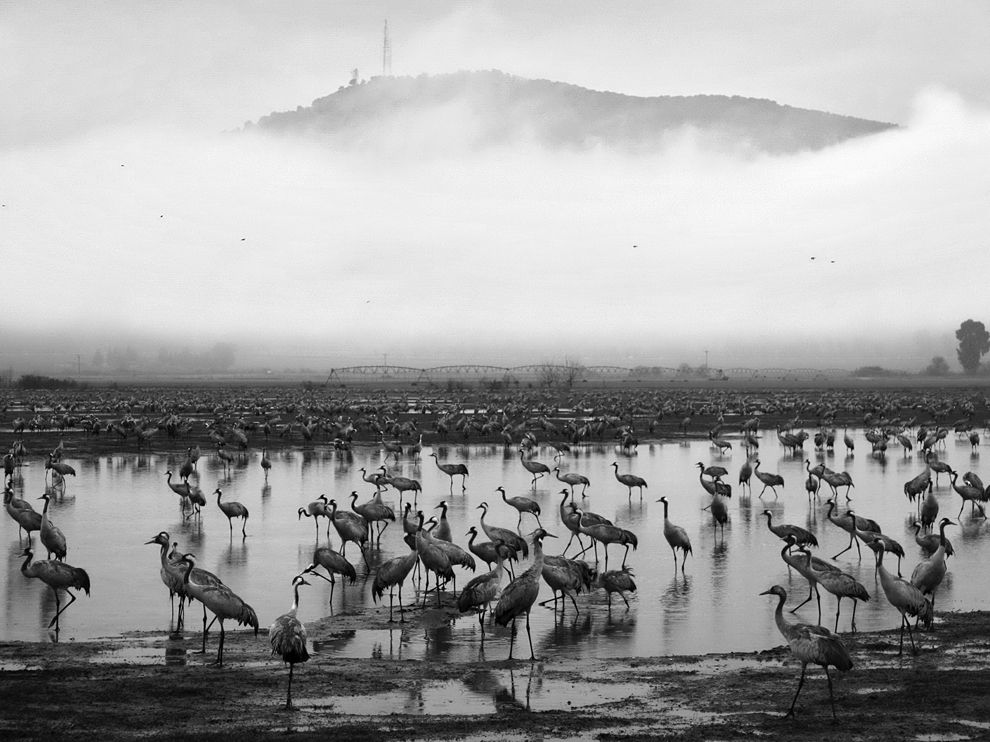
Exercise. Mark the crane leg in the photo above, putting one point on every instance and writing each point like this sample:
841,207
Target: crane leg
512,637
852,537
220,649
60,611
574,602
532,654
811,592
624,600
838,607
831,697
244,533
800,683
288,695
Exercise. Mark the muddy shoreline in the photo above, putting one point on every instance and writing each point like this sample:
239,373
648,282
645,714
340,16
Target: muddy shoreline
151,685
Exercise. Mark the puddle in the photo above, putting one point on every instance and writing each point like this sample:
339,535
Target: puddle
974,724
941,737
150,652
485,692
878,690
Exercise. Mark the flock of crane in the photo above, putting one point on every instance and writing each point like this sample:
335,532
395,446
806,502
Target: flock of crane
508,594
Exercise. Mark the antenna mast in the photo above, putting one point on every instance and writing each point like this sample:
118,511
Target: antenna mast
386,54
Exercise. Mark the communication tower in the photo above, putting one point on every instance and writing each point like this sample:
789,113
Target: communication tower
386,54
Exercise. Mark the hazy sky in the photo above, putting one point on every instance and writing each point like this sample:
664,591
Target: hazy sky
125,214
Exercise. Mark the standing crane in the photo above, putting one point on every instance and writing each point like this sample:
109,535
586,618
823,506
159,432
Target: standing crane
392,574
617,581
51,535
222,602
841,585
929,573
522,505
974,495
350,527
373,512
629,480
172,574
535,468
287,636
480,592
801,535
769,479
334,563
519,595
906,598
453,470
58,576
28,519
266,464
487,551
810,645
745,475
502,537
571,479
184,491
676,536
317,509
232,510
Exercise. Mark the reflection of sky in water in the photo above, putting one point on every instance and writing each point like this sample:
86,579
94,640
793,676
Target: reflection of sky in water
116,503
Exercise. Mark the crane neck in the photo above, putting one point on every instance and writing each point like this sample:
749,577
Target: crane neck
28,556
295,599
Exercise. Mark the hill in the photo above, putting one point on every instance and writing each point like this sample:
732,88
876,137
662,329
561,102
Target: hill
485,109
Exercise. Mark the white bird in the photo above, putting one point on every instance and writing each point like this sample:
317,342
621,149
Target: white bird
810,644
287,636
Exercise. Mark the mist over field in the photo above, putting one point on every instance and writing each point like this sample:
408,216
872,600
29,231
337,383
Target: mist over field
420,242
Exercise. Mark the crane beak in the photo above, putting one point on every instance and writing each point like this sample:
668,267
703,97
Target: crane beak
767,592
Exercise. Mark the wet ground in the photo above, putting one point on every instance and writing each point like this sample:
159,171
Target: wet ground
150,685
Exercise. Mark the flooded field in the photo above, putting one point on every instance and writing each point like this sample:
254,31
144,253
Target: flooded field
116,503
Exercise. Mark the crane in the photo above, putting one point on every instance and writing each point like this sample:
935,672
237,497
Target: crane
172,575
51,535
442,531
841,585
317,509
182,490
27,518
571,479
287,636
906,598
769,479
392,574
373,512
487,551
334,563
503,537
974,495
930,542
222,602
232,510
617,581
481,591
522,505
810,645
782,531
629,480
453,470
929,573
521,593
676,536
58,576
350,527
266,463
535,468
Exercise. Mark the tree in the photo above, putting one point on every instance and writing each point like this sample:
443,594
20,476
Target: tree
974,341
938,367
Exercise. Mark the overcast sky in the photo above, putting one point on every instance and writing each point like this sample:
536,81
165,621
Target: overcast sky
126,215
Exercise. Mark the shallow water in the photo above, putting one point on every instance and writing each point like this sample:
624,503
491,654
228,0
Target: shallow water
116,503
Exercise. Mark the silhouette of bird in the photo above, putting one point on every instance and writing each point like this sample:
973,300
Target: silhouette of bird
350,527
617,581
629,480
906,598
373,512
503,537
184,491
930,542
719,511
745,475
434,559
334,563
841,585
605,533
317,509
486,551
571,479
676,536
402,484
535,468
522,505
521,593
968,493
266,465
453,470
172,574
392,574
287,637
810,645
929,573
768,478
480,592
783,530
51,535
222,602
848,441
58,576
442,530
232,510
26,517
